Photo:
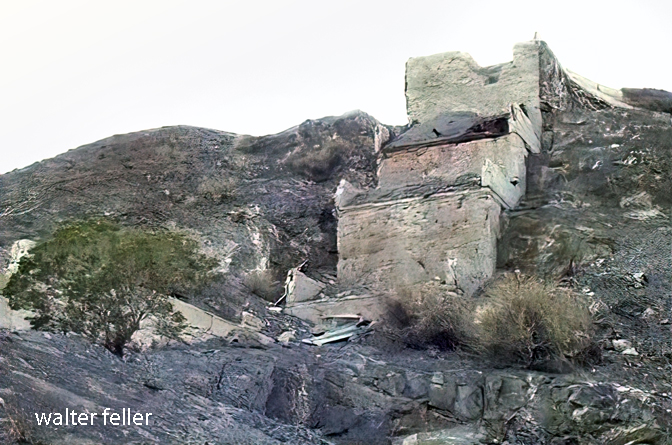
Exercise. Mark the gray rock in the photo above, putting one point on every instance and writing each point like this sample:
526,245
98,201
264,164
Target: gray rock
648,98
443,396
469,401
416,386
621,344
300,287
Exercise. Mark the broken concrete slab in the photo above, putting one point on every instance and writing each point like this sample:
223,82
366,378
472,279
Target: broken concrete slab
202,324
450,128
203,320
454,82
299,287
287,337
520,124
369,307
459,127
338,334
249,320
345,193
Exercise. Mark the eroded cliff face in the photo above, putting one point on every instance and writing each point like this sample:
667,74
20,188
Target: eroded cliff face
521,166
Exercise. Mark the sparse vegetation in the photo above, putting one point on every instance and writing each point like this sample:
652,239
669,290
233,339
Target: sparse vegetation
519,320
431,319
217,189
316,164
100,280
530,322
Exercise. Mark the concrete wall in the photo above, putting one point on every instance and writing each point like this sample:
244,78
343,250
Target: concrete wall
495,163
454,82
449,238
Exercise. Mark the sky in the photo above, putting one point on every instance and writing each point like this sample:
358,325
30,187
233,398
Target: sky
73,72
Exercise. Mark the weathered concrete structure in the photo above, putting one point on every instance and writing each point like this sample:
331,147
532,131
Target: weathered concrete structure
434,216
434,219
448,238
453,82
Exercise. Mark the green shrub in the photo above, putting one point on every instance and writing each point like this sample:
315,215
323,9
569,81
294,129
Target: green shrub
101,280
531,322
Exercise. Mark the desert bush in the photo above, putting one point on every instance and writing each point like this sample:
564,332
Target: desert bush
532,322
431,318
263,284
100,280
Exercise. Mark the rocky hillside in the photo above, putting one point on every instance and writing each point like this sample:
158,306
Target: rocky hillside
258,203
596,217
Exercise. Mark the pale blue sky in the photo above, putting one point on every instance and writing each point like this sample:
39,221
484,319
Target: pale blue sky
77,71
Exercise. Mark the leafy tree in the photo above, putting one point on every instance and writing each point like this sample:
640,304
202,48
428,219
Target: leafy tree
101,280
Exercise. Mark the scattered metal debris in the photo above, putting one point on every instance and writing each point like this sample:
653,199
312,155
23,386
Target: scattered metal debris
343,332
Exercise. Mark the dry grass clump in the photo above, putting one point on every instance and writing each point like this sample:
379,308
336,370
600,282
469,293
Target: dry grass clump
527,321
263,284
431,319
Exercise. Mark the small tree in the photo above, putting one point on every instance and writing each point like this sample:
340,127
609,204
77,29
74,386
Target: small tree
101,280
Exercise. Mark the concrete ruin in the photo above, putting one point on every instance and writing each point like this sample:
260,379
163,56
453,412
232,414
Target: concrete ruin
434,219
